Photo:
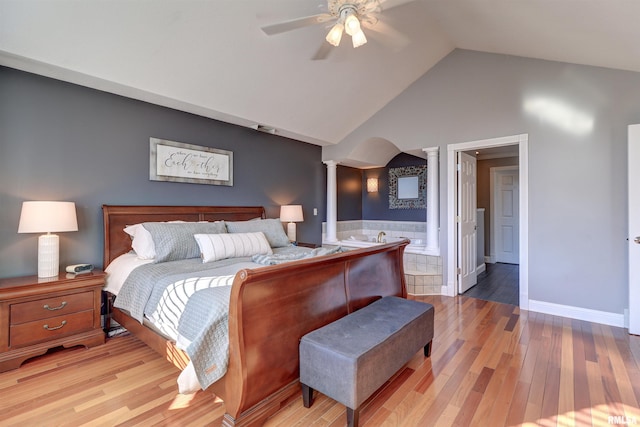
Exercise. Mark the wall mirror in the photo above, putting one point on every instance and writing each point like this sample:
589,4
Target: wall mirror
408,187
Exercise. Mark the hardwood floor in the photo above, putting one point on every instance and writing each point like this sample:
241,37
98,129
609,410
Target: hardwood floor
491,365
499,282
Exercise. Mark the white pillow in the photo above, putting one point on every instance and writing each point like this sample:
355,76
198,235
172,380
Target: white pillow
142,242
214,247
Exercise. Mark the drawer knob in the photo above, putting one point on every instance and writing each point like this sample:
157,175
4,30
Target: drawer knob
64,322
60,307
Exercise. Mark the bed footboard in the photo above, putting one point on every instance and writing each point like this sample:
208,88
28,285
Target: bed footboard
273,307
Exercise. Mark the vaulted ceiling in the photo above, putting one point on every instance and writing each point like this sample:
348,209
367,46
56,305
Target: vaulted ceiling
210,57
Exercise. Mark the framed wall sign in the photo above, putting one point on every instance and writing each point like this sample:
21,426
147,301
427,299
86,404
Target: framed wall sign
408,187
180,162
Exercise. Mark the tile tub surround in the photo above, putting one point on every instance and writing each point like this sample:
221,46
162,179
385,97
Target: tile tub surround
423,273
370,229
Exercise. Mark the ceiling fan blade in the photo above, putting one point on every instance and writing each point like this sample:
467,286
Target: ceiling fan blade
390,4
294,24
387,35
323,51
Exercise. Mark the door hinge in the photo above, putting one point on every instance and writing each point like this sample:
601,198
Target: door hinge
458,270
457,218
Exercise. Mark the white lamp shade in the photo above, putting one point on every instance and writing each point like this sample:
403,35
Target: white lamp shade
46,217
351,24
291,213
335,35
358,39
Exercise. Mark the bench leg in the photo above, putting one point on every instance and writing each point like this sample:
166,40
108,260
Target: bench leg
427,349
353,417
307,395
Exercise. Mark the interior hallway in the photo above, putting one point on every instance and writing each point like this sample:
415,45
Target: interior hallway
498,283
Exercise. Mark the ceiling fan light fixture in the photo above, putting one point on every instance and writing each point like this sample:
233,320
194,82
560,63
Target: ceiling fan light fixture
358,39
335,34
352,24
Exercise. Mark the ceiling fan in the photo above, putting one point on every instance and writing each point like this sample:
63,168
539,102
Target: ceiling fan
347,16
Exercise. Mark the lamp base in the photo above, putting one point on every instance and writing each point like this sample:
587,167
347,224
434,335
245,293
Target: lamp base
291,231
48,255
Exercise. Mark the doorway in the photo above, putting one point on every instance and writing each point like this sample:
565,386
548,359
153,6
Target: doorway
453,285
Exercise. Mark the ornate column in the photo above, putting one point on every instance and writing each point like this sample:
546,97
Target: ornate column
433,205
332,201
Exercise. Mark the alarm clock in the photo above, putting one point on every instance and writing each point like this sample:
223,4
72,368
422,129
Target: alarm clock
79,268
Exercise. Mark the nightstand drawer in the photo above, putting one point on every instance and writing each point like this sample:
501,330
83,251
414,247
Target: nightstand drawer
51,328
49,307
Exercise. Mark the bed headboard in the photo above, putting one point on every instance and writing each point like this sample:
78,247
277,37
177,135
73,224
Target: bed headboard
116,218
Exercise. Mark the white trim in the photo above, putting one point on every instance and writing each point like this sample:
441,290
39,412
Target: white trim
523,161
633,228
586,314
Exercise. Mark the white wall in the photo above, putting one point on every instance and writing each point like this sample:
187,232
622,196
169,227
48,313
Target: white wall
577,168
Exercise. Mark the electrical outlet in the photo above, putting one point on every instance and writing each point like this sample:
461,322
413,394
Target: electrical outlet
315,211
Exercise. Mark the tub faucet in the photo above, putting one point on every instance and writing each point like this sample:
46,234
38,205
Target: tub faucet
380,236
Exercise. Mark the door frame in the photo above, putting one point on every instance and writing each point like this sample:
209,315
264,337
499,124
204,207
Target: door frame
493,200
522,141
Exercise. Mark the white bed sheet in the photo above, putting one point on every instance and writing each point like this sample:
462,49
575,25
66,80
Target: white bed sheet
119,270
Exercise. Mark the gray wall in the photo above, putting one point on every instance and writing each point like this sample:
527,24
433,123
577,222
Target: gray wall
375,206
60,141
349,193
355,203
577,182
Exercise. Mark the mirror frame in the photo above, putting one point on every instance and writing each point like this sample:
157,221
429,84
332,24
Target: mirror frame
396,176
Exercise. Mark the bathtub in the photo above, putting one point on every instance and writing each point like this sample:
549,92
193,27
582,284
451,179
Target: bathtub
416,246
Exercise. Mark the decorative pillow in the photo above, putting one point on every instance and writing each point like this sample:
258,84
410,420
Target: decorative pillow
174,241
221,246
272,229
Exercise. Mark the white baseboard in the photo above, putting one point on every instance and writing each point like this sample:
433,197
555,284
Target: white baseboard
482,267
606,318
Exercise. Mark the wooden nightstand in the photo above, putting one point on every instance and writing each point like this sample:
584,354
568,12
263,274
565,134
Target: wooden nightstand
39,314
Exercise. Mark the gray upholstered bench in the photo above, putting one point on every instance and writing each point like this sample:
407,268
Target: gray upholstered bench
351,358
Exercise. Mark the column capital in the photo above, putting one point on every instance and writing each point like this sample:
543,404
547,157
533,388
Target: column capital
330,162
431,150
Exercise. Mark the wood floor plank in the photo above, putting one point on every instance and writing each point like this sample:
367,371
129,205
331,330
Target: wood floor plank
491,365
566,389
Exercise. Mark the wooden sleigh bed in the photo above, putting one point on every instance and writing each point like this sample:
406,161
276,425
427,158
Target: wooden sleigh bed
270,309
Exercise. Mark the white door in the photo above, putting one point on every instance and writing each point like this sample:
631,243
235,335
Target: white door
633,186
467,226
506,215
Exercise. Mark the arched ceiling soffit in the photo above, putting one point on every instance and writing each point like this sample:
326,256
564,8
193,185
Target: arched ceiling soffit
371,153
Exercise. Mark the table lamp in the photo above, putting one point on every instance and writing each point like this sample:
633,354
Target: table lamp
48,217
291,214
